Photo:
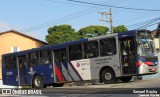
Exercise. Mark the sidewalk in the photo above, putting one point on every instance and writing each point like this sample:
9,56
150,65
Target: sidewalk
5,86
131,84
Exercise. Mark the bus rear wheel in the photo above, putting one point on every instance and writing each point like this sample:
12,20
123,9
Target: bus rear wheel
108,76
126,79
38,82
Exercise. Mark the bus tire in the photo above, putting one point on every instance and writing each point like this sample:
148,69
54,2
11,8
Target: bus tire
38,82
126,79
108,76
58,84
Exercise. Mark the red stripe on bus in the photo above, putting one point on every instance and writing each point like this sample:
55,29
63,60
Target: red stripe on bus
58,73
138,64
148,63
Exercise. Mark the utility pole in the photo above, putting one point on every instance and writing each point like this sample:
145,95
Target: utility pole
106,18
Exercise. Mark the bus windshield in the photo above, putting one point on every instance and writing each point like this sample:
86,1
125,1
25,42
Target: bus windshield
146,47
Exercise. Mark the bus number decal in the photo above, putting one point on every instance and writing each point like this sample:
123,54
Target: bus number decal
9,73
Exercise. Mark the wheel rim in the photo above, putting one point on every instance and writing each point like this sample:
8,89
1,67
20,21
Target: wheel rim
37,82
108,76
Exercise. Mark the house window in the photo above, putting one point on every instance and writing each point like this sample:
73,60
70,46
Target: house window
15,49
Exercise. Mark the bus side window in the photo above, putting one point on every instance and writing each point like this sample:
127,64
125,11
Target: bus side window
45,57
60,55
10,62
6,60
75,52
33,58
91,49
57,56
22,61
63,55
107,47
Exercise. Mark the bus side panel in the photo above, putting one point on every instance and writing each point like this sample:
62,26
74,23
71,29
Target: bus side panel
112,61
74,72
82,67
58,72
65,70
45,71
10,77
109,61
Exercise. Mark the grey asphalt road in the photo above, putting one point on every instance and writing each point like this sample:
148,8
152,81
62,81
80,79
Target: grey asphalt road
103,90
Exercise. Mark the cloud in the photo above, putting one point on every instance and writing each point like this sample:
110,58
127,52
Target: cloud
4,25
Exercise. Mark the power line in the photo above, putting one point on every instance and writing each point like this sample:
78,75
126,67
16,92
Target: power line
148,25
97,4
66,18
56,1
153,24
143,23
129,18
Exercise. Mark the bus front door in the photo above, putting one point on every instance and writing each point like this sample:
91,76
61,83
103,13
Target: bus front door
22,70
128,49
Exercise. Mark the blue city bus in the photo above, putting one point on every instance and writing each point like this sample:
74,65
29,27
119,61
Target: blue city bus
103,58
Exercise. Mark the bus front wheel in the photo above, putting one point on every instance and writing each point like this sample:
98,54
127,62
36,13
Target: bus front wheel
108,76
126,79
38,82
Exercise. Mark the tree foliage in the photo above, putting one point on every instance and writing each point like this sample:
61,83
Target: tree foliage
120,28
91,31
60,34
65,33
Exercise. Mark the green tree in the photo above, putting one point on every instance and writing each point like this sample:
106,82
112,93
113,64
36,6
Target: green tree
92,31
120,28
61,34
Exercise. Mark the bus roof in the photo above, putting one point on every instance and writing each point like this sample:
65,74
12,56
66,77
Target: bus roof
63,45
53,47
127,34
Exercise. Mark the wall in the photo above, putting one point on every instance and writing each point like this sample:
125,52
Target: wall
11,39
